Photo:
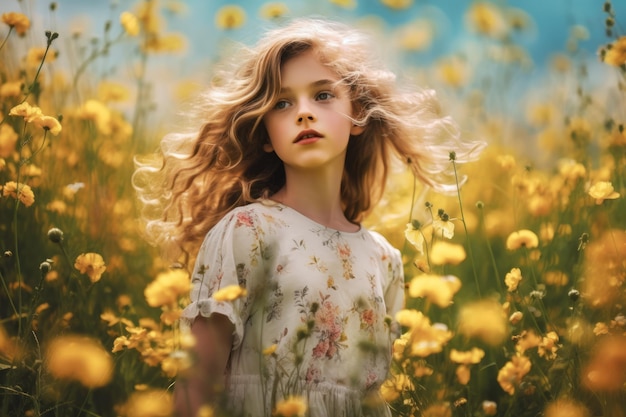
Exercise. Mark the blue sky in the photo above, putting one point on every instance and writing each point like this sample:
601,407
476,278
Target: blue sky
553,19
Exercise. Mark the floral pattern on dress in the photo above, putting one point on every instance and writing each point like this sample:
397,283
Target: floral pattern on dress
316,296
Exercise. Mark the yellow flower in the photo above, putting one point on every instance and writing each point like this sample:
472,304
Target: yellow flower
270,350
91,264
566,407
606,369
428,339
512,279
506,162
603,190
463,374
395,385
167,288
411,318
485,320
111,91
437,289
548,346
176,363
206,411
444,253
17,21
167,43
516,317
388,391
36,54
557,278
522,238
572,170
615,53
9,349
512,373
603,283
22,192
230,17
438,410
600,328
453,71
80,359
273,10
291,406
490,408
415,237
147,13
230,293
416,36
527,340
487,19
397,4
8,139
99,113
475,355
149,403
130,23
11,89
519,19
25,110
48,123
346,4
541,114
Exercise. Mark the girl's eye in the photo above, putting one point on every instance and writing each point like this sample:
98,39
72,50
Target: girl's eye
324,95
281,104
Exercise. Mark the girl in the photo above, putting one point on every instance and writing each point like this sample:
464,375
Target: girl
268,196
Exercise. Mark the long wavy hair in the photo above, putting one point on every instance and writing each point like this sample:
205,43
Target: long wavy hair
201,175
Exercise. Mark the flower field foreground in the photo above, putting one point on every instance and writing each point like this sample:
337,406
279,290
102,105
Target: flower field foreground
515,284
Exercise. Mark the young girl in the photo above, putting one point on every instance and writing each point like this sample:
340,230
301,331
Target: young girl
269,195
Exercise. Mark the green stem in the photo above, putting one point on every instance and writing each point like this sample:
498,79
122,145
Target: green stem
6,37
413,198
467,236
6,288
43,60
490,249
17,256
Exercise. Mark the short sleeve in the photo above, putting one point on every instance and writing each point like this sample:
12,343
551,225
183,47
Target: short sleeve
231,254
394,279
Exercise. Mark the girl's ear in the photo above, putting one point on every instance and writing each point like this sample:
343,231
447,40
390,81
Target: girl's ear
267,147
356,130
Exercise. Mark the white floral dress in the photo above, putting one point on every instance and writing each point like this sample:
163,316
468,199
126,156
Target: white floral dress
322,298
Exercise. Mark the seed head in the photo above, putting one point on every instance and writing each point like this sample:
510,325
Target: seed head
55,235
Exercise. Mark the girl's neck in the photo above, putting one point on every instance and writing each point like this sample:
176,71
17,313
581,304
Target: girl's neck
316,197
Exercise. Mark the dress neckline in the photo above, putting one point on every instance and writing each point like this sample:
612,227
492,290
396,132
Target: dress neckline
269,202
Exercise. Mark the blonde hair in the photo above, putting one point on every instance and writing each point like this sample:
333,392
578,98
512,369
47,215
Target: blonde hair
202,175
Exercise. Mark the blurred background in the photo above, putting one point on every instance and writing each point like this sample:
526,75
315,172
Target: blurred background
542,82
456,46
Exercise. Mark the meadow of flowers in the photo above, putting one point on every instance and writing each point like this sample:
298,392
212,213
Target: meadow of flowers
516,291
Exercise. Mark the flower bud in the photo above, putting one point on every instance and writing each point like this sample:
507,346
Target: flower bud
55,235
573,295
45,267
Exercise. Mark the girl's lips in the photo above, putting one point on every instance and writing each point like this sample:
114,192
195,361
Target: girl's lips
307,140
307,136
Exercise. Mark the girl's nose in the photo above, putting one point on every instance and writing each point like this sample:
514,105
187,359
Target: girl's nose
305,116
305,113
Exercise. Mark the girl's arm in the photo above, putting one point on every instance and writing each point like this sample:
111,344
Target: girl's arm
204,382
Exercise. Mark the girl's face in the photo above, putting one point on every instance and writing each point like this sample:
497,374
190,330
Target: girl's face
309,125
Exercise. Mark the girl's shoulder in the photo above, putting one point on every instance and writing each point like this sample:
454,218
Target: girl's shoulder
387,250
381,240
252,215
